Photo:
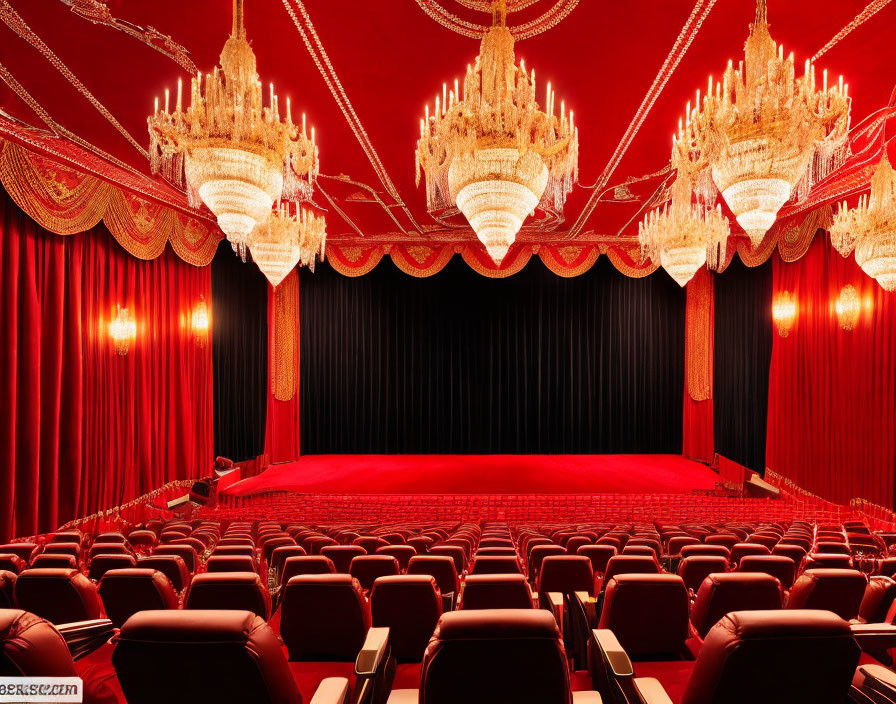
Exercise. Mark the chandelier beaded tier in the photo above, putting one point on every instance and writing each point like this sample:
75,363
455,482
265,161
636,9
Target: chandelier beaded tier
762,129
870,228
228,150
492,153
286,239
682,235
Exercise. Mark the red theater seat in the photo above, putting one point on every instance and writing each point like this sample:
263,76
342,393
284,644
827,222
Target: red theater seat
877,601
143,540
7,589
316,544
733,591
185,657
816,561
249,550
794,552
231,563
498,565
367,568
370,543
625,564
837,590
22,550
740,550
306,564
599,555
537,554
68,536
495,591
125,592
53,561
281,554
172,566
114,538
441,568
724,539
483,657
421,543
565,574
73,549
831,548
186,552
240,591
342,555
409,606
58,595
402,553
706,550
695,568
648,613
455,552
103,563
777,566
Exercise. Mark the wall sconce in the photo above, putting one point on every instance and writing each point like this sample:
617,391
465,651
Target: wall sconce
122,330
784,312
848,307
199,322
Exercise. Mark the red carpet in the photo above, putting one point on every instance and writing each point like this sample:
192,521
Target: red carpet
482,474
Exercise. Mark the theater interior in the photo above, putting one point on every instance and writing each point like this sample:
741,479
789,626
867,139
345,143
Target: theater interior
442,351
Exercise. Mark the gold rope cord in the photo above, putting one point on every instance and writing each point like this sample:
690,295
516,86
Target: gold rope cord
283,356
699,336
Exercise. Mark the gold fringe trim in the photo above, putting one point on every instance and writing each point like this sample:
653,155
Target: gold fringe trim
283,356
699,336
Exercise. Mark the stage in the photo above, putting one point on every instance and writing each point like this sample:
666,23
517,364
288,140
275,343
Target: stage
481,474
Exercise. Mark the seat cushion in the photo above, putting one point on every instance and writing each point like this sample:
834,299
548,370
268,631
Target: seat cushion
308,675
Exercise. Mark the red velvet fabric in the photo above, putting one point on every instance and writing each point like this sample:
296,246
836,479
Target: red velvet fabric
832,392
81,428
281,441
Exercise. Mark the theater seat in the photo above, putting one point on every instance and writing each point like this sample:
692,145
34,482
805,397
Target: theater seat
732,591
73,549
367,568
103,563
11,563
779,566
877,601
23,550
186,552
7,589
625,564
342,555
231,563
495,591
50,561
306,564
537,554
143,540
402,553
599,555
648,613
455,552
497,565
240,591
58,595
281,554
565,574
409,606
836,590
127,591
441,568
817,561
172,566
741,550
695,568
707,550
483,657
110,538
226,657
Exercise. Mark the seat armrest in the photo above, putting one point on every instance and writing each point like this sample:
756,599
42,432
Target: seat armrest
373,651
332,690
651,691
555,602
880,680
588,697
403,696
874,636
83,637
613,653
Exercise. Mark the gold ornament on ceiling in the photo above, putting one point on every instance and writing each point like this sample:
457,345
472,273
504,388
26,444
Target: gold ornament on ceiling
490,151
229,150
761,131
869,229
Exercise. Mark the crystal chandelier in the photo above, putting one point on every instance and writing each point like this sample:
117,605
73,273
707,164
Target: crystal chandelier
870,228
681,235
232,153
122,330
761,129
492,153
285,240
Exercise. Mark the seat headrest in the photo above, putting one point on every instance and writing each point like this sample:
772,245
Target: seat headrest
190,626
490,624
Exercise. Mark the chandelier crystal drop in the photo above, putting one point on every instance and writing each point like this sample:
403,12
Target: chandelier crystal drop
286,239
762,130
682,236
870,228
490,152
228,150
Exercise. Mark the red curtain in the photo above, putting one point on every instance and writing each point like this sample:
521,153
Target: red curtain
832,392
82,428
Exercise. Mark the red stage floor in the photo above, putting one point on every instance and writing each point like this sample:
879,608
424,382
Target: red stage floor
482,474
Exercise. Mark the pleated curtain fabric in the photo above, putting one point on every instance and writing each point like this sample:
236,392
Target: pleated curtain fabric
462,363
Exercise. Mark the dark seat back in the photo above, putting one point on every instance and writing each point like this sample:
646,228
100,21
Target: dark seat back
127,591
410,606
836,590
496,591
58,595
240,591
733,591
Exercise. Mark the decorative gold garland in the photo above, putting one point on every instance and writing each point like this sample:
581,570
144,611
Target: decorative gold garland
283,356
551,18
699,336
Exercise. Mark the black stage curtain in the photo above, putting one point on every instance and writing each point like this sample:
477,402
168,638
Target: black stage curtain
239,355
743,355
462,363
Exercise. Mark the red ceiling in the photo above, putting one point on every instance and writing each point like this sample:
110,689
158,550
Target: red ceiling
391,58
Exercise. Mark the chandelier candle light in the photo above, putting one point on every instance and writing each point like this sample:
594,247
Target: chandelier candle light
870,227
232,153
490,151
285,239
762,130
